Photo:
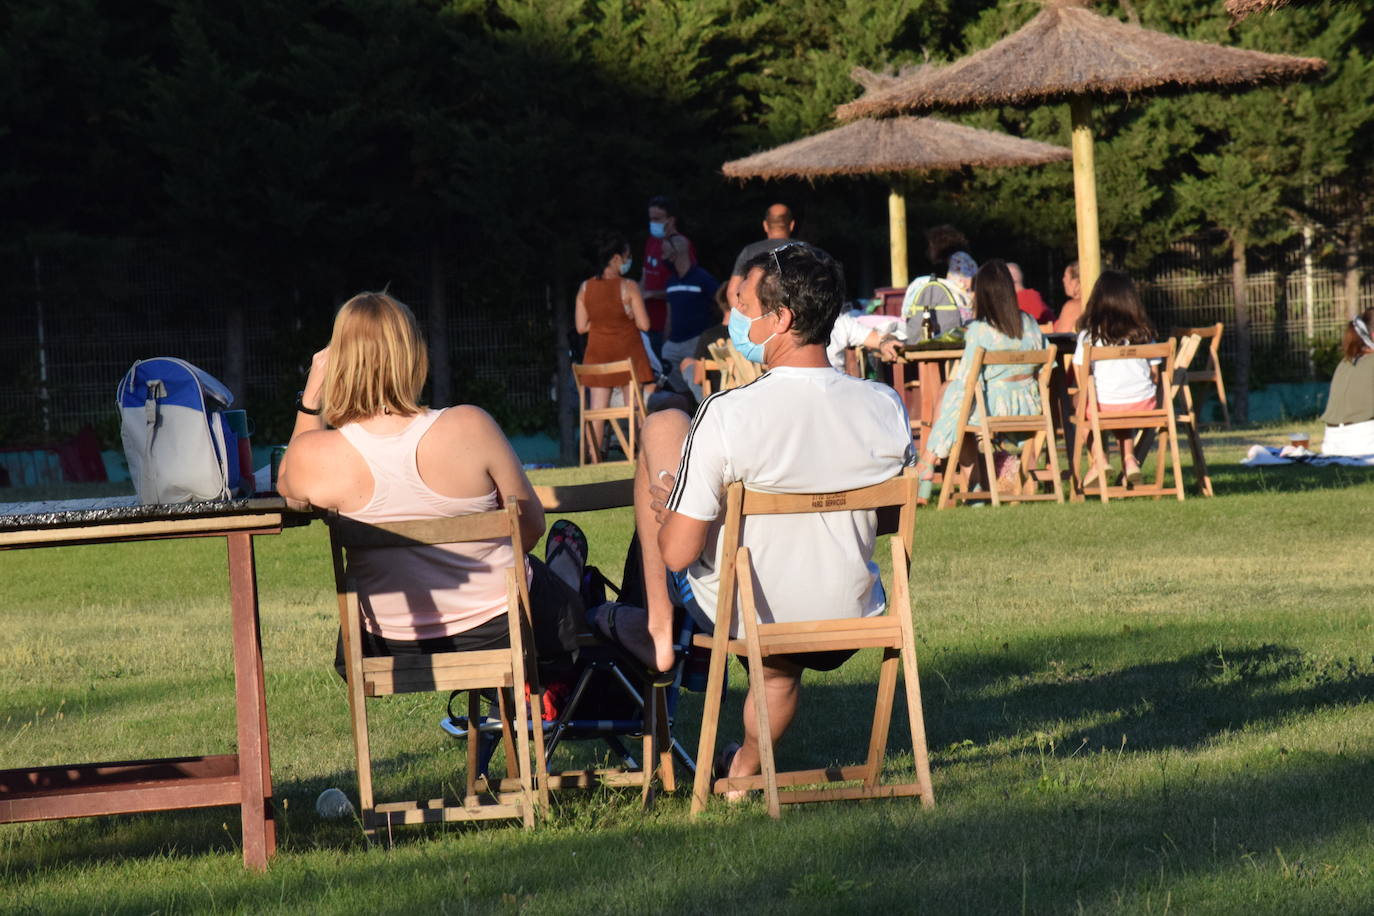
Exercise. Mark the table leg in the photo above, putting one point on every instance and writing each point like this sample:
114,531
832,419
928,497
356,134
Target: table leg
255,767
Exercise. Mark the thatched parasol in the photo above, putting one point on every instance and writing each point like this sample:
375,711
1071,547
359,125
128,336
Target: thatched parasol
1070,54
1239,9
889,146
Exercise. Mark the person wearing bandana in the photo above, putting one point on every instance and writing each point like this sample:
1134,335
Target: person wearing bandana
1349,414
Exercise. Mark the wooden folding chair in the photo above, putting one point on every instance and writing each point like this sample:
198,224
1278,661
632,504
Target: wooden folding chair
1185,414
1159,419
704,369
892,632
1212,371
1040,426
510,671
620,374
736,369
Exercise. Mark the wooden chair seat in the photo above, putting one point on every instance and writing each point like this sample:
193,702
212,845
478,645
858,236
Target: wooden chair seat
893,633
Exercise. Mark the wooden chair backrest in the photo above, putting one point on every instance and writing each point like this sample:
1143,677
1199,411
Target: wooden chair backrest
1212,334
735,369
897,495
1161,351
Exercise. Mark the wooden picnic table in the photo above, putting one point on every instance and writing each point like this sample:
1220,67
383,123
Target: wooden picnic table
243,778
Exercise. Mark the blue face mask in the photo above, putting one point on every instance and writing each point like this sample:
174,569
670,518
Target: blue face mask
739,336
657,230
625,266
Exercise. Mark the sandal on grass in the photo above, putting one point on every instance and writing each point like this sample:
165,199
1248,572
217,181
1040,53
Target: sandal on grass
610,633
565,552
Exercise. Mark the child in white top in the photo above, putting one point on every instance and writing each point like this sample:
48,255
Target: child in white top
1115,317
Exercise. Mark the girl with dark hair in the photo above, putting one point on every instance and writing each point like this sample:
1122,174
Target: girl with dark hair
1115,317
1349,415
610,310
998,324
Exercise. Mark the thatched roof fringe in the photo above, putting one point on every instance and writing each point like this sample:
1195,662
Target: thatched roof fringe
1066,52
893,145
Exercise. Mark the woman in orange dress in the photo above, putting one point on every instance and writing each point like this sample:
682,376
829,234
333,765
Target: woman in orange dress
610,311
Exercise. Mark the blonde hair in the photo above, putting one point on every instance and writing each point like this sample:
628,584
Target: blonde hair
377,361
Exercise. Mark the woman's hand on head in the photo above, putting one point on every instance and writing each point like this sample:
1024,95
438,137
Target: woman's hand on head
314,381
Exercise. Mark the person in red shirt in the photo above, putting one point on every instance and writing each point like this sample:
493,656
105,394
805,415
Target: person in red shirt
1028,300
658,269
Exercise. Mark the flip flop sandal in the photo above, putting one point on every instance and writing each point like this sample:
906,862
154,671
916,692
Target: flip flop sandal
565,536
611,636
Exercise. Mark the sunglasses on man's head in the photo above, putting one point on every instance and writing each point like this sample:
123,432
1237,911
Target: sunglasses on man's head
783,247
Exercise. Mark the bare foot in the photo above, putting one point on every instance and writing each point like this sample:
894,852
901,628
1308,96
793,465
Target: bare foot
628,627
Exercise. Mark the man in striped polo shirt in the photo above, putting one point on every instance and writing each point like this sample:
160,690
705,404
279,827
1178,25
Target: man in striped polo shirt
802,427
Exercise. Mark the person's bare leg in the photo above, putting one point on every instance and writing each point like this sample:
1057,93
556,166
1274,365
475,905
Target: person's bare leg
660,451
781,691
599,398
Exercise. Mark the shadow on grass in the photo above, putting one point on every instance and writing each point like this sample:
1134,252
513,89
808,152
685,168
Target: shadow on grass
1040,849
1179,703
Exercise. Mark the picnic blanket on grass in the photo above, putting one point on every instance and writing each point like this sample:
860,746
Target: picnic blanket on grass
1261,455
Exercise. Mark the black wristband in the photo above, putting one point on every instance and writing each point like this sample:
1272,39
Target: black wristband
300,405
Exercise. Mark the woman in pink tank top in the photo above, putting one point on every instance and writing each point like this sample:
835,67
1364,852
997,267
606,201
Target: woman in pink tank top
364,446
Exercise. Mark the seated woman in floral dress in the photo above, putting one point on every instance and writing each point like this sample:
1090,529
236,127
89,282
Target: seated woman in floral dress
998,324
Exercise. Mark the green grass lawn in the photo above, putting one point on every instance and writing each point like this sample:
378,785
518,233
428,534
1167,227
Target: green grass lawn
1140,707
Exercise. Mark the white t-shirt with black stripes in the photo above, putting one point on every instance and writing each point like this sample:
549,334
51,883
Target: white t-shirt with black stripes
795,431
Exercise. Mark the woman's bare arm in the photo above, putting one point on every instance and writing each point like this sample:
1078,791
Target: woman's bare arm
580,320
637,310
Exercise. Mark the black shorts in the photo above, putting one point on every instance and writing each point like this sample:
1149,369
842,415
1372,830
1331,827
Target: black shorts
556,613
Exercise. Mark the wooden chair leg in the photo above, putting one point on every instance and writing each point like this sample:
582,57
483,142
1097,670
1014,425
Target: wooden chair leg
1200,472
910,676
749,614
474,751
1221,396
882,716
1174,457
503,705
664,739
710,722
990,464
648,749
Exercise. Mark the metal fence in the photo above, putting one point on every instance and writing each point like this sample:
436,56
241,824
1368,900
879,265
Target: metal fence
77,322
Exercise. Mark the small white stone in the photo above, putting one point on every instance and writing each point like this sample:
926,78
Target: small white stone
333,804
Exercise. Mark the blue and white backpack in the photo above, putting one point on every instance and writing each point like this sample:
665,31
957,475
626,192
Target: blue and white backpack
176,440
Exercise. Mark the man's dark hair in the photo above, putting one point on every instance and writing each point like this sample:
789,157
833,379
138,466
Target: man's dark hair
664,203
943,241
806,280
608,245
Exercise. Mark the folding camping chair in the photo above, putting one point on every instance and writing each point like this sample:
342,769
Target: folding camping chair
892,632
510,672
605,672
1039,426
624,420
1159,419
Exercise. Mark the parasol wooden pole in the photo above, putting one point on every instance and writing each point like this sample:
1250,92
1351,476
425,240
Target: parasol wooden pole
896,232
1085,194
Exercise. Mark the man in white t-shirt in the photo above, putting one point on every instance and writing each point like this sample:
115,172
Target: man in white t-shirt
800,428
